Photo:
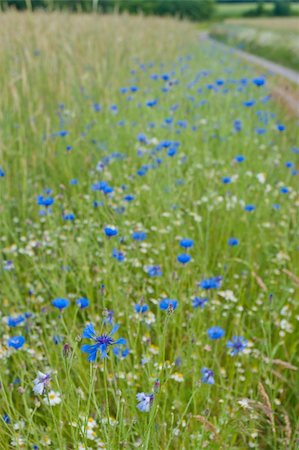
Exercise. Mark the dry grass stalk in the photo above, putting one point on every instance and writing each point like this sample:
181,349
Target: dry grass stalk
288,430
292,276
285,364
207,425
259,281
267,405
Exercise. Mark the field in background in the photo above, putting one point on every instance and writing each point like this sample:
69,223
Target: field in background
276,39
289,24
228,10
120,137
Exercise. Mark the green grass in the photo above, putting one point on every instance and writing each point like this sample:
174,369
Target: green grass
53,60
227,10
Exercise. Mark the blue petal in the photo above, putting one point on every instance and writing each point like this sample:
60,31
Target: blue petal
89,332
116,351
85,348
103,350
125,352
92,356
114,329
120,341
89,348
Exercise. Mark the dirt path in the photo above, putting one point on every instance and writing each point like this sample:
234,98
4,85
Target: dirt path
282,90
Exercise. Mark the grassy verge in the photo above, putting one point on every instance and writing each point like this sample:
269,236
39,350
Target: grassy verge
121,137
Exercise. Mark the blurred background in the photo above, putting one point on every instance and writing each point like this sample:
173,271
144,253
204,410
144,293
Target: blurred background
191,9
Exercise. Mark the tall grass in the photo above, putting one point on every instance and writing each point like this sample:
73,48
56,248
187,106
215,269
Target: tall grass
74,106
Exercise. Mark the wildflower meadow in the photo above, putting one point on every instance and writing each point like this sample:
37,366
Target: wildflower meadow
149,240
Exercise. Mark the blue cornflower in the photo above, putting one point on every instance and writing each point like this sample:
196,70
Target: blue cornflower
16,342
142,138
97,107
45,201
237,345
108,190
2,173
114,108
259,81
182,123
226,180
168,303
62,133
289,164
145,401
151,103
199,302
70,216
141,308
284,190
172,151
110,231
139,235
141,172
233,242
276,206
82,302
186,243
216,333
102,342
14,321
280,127
154,271
249,103
183,258
129,198
237,125
249,208
6,418
60,303
118,255
239,158
211,283
207,376
99,186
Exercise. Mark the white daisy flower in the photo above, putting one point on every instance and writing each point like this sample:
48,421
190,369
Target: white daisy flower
53,398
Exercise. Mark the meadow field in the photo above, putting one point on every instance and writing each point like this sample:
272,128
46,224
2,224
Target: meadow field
276,39
238,10
149,240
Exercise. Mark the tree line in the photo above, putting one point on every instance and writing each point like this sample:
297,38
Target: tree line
190,9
